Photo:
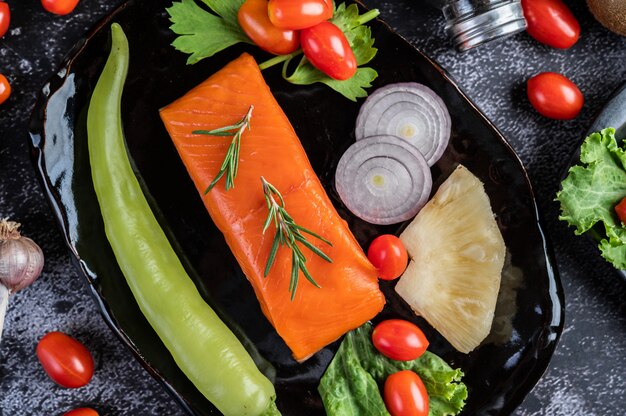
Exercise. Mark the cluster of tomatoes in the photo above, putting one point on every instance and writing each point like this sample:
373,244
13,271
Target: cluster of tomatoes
68,363
404,392
60,7
281,27
552,23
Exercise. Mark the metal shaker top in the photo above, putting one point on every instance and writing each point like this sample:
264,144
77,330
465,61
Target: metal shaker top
473,22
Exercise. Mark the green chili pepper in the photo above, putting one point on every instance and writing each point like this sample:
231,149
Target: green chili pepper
201,344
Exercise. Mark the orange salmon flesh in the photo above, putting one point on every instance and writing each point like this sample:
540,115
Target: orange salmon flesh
349,294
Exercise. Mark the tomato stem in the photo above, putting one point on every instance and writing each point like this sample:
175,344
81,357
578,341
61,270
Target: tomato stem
278,59
368,16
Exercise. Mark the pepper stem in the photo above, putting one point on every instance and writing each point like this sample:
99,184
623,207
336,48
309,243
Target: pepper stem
9,230
4,302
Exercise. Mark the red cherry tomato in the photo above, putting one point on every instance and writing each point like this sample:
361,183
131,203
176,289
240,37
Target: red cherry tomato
65,360
388,255
405,394
60,7
551,22
5,89
555,96
299,14
83,411
327,48
620,210
254,20
5,18
399,340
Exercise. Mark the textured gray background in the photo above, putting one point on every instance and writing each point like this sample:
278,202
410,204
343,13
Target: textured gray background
586,376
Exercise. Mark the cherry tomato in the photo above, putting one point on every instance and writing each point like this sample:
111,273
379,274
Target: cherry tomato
327,48
5,89
555,96
551,22
65,360
254,20
60,7
620,210
388,255
83,411
5,18
399,340
299,14
405,394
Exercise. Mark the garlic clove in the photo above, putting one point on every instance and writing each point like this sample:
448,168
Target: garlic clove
21,259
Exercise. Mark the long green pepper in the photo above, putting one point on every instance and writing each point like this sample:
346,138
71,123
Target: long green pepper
200,343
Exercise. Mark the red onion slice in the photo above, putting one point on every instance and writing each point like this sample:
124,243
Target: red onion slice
383,180
409,111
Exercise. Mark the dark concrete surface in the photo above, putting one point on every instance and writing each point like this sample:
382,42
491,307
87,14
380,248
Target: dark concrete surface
587,374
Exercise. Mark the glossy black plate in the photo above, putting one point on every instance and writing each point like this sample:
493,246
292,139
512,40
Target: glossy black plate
613,114
498,375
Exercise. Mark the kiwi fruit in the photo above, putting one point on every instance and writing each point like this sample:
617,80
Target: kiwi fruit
610,13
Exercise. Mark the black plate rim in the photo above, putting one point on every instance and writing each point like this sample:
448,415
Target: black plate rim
549,337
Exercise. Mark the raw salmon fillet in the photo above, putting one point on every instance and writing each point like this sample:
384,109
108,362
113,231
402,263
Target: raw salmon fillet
349,293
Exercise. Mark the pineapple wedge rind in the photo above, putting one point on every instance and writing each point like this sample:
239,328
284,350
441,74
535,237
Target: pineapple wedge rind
457,253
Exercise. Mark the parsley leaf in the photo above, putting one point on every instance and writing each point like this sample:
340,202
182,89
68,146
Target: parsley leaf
203,34
360,38
353,88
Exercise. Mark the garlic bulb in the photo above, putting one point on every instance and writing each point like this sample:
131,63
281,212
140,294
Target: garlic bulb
21,262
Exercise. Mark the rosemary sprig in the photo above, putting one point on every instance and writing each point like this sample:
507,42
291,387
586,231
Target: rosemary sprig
288,233
231,160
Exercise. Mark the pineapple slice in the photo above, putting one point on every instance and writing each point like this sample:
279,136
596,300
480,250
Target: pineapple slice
457,254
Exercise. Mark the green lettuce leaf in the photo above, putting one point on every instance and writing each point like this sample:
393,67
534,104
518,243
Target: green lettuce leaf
348,19
351,384
203,34
591,191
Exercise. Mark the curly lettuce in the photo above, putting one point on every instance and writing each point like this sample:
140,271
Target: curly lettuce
351,384
591,191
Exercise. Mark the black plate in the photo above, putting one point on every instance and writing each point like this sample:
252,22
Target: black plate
613,114
498,376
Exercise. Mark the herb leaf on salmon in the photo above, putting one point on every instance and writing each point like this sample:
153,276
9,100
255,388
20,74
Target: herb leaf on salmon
230,166
288,233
